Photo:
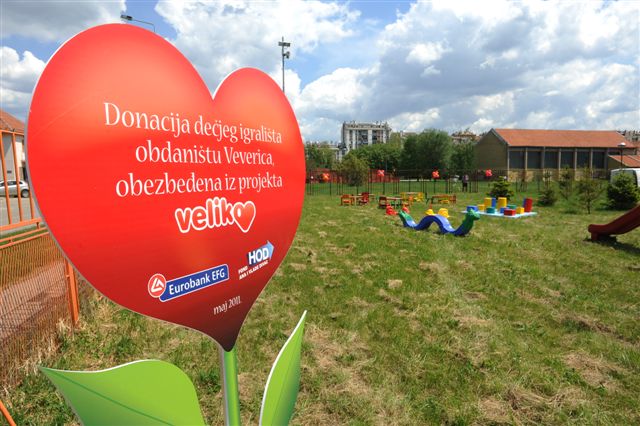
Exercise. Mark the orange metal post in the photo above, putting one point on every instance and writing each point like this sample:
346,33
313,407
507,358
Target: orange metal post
74,305
5,178
16,172
6,414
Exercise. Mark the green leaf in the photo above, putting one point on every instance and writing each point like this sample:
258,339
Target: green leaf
283,383
146,392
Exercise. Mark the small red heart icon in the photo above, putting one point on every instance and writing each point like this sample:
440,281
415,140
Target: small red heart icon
244,213
172,203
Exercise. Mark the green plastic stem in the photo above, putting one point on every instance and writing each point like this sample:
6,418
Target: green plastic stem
229,363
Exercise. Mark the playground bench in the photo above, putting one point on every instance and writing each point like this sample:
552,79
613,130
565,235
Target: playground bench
384,201
444,198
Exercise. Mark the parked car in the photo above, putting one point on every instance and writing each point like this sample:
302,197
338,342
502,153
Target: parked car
635,174
13,188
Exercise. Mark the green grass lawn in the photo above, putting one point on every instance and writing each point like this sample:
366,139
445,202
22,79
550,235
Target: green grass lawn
521,322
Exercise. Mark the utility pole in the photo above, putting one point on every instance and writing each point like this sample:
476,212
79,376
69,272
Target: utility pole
286,54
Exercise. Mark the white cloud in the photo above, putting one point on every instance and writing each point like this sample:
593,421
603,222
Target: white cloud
19,76
416,121
55,20
426,53
501,64
334,95
19,73
501,103
443,64
219,37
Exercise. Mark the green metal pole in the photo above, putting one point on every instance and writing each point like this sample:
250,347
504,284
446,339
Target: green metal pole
229,363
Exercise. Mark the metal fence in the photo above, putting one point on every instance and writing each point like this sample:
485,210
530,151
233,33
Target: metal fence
37,290
330,182
38,286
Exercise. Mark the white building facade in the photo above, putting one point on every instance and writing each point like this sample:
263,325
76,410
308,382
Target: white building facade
355,135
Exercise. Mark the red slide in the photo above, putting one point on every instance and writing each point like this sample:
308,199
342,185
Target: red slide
621,225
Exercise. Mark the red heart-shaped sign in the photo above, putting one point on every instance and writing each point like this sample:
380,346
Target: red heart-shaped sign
169,202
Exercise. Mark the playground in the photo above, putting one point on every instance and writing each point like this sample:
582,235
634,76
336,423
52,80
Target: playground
521,321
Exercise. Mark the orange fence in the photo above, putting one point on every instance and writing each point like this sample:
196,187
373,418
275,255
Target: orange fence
17,210
38,286
38,289
6,415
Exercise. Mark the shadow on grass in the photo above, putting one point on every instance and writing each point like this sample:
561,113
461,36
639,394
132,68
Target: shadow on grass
613,243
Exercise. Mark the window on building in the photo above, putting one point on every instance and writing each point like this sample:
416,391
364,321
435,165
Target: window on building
566,159
598,160
362,138
533,159
516,159
583,158
376,137
551,159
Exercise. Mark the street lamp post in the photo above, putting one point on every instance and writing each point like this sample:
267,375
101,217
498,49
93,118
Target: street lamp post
130,18
621,145
286,54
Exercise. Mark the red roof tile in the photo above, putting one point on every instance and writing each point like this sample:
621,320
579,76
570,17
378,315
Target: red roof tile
632,161
10,123
562,138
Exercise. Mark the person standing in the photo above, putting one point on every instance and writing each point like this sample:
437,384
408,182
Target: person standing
465,182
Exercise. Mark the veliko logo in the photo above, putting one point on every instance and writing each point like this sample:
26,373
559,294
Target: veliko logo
157,284
216,212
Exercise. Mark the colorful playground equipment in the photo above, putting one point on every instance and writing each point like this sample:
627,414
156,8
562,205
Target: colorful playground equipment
444,212
620,225
499,208
442,222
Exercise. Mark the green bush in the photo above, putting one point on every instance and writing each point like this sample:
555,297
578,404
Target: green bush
566,182
353,170
589,189
548,196
501,188
622,193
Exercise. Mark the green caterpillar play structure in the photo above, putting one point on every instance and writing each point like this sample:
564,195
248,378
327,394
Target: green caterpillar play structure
442,222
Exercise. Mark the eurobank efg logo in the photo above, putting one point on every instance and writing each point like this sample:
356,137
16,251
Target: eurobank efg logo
256,259
164,290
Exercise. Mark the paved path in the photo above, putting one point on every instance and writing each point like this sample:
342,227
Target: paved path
15,212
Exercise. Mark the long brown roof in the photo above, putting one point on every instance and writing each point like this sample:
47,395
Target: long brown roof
562,138
10,123
628,160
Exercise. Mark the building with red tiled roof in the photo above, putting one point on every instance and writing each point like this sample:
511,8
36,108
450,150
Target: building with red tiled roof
520,150
12,147
10,123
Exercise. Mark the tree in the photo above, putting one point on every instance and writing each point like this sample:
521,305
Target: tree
379,156
319,155
501,188
622,193
463,157
566,183
353,170
426,152
434,150
395,140
588,189
548,195
409,155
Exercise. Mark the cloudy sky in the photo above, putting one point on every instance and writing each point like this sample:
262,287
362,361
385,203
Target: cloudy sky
441,64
